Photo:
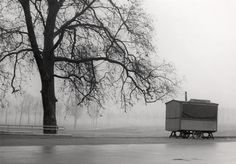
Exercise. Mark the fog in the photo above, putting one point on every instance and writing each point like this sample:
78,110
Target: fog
199,38
141,120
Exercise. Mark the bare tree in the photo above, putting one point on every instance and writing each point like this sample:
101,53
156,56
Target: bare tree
25,105
94,113
36,108
3,90
97,48
73,109
4,105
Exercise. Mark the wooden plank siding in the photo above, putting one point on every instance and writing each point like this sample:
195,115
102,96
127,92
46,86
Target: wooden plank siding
178,119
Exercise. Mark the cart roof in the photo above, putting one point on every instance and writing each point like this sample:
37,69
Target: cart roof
194,101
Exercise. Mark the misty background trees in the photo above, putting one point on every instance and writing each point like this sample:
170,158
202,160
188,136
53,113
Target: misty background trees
139,120
27,111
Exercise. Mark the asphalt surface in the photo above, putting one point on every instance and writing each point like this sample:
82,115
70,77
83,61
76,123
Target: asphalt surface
194,152
45,140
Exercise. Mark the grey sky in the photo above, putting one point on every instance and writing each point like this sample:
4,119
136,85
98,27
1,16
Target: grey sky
199,37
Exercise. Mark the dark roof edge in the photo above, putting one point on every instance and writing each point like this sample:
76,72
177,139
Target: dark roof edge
174,100
191,102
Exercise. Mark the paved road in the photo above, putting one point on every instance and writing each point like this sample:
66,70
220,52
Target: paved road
45,140
37,149
178,153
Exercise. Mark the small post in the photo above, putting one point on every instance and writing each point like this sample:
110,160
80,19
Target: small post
186,96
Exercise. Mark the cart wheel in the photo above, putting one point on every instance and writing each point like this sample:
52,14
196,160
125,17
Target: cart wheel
187,134
172,134
205,135
178,134
197,134
210,135
184,134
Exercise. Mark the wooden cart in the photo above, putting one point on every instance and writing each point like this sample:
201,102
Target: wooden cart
191,119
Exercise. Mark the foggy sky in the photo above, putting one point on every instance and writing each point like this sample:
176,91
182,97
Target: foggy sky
199,38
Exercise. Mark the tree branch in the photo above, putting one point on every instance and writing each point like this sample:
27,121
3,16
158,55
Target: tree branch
30,28
14,76
66,24
15,53
39,12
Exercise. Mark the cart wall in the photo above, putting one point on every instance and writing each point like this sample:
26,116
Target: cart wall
173,110
172,124
199,111
191,116
173,115
201,125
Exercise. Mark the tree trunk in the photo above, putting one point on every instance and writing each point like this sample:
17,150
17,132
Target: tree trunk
45,61
21,113
28,114
35,114
47,71
6,116
49,104
16,117
75,122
